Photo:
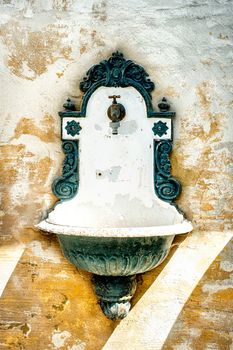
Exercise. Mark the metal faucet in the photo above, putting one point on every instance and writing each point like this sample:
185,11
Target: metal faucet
116,112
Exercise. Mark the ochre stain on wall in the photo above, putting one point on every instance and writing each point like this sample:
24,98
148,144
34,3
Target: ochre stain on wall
90,38
25,178
66,306
207,318
58,308
204,94
31,52
46,131
99,10
48,304
22,206
61,5
12,155
202,179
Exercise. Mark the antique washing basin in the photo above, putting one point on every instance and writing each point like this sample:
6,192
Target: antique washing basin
116,217
115,256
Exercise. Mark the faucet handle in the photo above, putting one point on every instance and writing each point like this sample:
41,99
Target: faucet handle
114,98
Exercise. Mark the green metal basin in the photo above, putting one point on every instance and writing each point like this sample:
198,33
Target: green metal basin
115,256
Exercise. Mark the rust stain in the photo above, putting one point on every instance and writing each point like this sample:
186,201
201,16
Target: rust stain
39,171
30,53
209,338
66,52
11,325
24,181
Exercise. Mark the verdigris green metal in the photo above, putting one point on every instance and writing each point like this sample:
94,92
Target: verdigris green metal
66,186
167,187
73,128
115,256
160,128
115,261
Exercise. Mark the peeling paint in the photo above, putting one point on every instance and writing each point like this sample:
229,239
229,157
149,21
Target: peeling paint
59,338
45,254
99,10
226,266
78,346
45,132
219,285
208,311
30,52
24,327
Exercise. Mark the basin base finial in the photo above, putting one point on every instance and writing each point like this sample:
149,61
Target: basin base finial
114,294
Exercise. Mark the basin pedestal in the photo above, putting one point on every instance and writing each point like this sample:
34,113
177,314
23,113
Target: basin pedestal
115,294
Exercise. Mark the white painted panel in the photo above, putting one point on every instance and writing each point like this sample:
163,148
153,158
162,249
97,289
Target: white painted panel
116,181
122,164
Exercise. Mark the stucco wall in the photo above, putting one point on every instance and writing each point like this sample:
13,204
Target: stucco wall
46,48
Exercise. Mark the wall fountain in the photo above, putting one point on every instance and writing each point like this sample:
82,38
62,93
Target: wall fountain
115,216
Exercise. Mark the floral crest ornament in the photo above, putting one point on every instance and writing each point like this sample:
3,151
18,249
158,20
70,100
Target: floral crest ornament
73,128
117,71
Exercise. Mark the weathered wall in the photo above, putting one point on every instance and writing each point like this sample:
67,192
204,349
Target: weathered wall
46,47
48,304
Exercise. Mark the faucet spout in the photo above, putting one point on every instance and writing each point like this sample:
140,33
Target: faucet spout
116,112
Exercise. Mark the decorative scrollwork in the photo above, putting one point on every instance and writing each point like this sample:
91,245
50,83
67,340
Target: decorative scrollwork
66,186
166,186
117,71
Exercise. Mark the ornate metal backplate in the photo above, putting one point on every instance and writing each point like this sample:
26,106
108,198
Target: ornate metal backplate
118,72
